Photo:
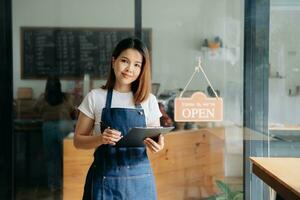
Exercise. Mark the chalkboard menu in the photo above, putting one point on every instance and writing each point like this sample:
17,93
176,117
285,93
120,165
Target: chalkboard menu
70,52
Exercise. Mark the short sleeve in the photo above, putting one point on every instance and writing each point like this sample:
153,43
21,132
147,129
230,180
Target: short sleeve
87,106
154,112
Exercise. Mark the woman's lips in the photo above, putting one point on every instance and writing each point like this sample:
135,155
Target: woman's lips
126,75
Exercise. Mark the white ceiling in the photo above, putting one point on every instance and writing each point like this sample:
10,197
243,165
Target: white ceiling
285,2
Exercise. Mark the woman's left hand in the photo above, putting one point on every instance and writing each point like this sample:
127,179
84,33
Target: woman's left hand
155,146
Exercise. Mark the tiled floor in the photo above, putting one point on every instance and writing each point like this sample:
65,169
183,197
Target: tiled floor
37,193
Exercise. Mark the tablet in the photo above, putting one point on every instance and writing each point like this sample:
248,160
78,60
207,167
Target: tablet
136,136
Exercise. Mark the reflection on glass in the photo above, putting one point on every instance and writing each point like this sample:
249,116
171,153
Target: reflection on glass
284,94
202,153
39,127
57,110
284,84
181,33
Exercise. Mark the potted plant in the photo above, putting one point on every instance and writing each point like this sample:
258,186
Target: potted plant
227,193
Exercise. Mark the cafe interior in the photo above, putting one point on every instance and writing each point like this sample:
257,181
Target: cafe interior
247,51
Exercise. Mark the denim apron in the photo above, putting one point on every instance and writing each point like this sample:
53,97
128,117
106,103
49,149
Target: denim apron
119,173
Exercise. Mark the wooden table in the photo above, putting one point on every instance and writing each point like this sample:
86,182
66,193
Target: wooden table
282,174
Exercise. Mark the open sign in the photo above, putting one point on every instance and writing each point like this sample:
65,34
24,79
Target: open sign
198,108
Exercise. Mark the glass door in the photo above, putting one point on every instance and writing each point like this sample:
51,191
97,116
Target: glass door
61,50
206,157
284,84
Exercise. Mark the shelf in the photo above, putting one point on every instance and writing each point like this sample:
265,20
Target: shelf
276,77
221,54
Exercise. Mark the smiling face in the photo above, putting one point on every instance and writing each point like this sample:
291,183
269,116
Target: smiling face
127,68
130,69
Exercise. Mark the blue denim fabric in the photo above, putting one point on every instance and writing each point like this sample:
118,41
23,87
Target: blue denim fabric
119,173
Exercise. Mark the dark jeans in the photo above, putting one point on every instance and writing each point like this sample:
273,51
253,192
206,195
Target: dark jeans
53,135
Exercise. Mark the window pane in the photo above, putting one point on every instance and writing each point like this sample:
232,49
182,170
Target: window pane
183,31
284,82
71,39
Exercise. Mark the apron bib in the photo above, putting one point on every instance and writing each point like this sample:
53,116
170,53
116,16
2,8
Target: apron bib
120,172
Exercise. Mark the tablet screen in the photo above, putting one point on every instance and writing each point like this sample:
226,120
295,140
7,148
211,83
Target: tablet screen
136,136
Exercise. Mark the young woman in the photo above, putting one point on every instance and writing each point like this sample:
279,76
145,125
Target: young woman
122,103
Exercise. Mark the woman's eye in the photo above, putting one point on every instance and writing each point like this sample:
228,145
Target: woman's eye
124,61
137,65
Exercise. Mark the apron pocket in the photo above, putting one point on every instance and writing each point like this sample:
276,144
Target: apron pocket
130,187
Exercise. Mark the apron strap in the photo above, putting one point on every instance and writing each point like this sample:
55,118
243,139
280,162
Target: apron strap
108,98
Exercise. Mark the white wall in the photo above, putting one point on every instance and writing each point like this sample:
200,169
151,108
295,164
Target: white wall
65,13
283,109
179,28
284,59
284,45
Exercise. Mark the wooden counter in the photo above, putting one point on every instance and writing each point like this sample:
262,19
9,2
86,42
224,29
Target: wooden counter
285,128
282,174
286,133
75,166
187,167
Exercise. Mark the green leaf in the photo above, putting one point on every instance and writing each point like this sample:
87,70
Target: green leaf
222,197
210,198
223,187
237,195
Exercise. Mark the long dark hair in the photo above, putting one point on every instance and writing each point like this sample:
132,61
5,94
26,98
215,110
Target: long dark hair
141,87
53,94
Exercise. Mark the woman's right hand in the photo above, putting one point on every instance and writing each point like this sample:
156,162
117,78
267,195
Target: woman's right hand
85,139
110,136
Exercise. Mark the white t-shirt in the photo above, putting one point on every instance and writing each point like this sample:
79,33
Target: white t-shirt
95,100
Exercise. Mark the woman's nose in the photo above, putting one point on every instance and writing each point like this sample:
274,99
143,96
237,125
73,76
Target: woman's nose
130,67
